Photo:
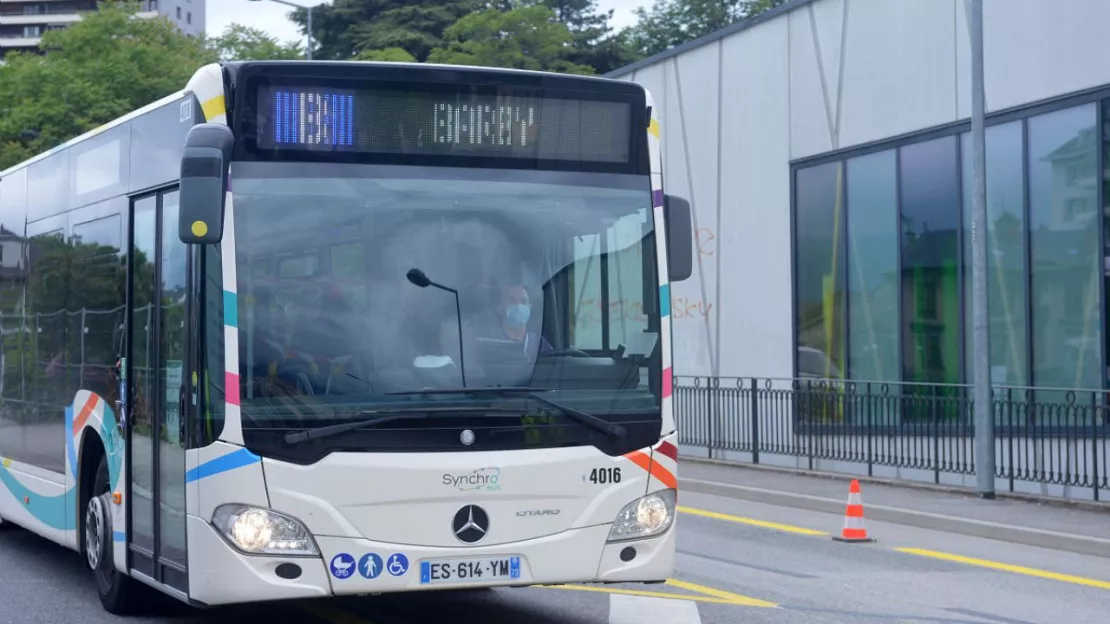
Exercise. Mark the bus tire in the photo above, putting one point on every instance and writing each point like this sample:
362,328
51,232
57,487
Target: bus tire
119,594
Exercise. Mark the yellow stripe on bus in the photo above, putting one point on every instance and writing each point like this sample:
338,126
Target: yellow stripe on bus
213,108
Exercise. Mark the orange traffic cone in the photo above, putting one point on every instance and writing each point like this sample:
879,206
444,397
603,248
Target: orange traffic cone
854,530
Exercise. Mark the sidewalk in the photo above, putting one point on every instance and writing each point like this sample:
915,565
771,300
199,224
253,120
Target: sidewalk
1056,525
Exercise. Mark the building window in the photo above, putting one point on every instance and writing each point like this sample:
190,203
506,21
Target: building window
873,284
189,18
930,224
820,278
1007,296
178,12
883,253
1064,249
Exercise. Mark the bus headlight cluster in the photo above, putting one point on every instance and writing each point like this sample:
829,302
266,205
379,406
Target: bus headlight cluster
257,531
645,517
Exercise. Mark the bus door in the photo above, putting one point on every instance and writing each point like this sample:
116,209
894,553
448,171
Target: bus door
155,371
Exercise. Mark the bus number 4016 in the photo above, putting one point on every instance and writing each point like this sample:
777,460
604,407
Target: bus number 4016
605,475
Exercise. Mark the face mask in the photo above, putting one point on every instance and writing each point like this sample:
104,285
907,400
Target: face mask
518,314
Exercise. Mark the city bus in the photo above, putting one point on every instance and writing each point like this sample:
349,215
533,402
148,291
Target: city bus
311,329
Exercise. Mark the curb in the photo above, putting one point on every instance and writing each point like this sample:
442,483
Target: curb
925,520
1098,506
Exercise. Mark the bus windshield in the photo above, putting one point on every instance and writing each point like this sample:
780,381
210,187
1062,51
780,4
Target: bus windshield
554,273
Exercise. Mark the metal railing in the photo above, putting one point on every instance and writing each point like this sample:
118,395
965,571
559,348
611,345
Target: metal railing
1047,440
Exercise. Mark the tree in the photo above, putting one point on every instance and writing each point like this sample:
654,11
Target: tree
389,55
347,28
670,23
527,36
105,66
242,43
593,40
100,68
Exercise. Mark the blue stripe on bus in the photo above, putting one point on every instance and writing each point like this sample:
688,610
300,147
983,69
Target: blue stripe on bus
665,300
71,452
119,536
224,463
231,309
52,511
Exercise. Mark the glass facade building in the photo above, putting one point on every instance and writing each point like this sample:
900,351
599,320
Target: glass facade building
882,245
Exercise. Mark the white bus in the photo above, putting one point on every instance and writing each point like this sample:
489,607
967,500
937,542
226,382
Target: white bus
324,329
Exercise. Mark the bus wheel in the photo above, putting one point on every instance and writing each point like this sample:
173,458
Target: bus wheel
119,594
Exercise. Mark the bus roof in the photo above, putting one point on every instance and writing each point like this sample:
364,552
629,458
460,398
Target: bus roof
94,132
237,65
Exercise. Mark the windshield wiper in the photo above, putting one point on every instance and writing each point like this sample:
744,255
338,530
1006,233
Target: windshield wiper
612,430
380,416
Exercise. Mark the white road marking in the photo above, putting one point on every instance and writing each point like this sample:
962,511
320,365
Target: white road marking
640,609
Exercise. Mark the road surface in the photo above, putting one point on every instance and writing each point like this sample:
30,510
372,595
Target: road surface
738,561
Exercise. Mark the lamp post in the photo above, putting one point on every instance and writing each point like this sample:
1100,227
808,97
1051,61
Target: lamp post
308,10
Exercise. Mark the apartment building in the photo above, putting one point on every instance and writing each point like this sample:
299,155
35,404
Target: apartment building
23,22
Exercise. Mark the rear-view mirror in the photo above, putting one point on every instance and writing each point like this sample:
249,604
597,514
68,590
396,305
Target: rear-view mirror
680,238
204,170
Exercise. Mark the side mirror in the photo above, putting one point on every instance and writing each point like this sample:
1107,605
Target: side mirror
680,238
204,170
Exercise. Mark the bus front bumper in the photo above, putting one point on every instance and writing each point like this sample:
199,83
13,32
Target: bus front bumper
219,574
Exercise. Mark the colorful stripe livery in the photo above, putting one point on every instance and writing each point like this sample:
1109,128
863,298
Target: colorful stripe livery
223,463
655,132
51,501
661,463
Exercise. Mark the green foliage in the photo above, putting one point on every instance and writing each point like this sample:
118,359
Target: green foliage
670,23
593,41
346,28
389,55
523,37
105,66
243,43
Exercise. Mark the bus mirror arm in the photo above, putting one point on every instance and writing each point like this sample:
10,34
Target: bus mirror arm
679,231
204,183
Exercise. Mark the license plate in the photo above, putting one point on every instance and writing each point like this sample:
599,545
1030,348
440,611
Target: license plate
474,570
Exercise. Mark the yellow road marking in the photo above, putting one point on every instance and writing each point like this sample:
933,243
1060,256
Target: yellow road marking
750,521
338,616
1006,567
720,593
742,600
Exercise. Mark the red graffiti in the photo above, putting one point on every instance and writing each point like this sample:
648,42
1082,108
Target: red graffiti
630,311
704,239
687,308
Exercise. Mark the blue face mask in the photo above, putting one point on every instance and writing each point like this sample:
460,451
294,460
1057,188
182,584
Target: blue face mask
518,314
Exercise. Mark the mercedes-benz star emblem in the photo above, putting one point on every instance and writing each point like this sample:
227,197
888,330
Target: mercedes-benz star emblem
470,524
467,437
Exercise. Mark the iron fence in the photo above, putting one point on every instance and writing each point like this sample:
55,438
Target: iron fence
1042,436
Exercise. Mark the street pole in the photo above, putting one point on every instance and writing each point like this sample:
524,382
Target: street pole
984,416
309,52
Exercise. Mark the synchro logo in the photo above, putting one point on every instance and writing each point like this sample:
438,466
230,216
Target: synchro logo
487,479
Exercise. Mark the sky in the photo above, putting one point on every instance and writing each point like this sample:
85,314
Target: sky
271,17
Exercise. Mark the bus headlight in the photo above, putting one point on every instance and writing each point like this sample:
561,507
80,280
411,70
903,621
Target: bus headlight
257,531
645,517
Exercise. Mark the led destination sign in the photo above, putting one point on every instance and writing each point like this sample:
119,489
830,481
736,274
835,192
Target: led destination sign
389,121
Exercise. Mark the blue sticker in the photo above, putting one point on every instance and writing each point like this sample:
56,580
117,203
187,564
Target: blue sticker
342,566
514,567
398,564
370,566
